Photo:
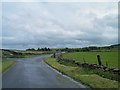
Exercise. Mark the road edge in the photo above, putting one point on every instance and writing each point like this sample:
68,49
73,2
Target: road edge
11,66
79,83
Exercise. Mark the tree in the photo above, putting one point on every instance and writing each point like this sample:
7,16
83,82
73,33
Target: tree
30,49
45,49
38,49
48,49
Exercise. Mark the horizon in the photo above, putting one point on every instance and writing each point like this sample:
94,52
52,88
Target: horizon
59,48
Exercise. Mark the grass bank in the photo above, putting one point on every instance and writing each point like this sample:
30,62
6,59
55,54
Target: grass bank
5,64
79,74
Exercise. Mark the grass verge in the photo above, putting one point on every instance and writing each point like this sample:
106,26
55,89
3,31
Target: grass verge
5,65
79,74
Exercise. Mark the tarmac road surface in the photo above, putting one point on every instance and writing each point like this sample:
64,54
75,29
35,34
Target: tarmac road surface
35,73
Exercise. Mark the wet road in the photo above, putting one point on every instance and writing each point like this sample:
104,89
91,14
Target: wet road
35,73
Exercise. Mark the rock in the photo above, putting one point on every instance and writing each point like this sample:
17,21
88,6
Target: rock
116,70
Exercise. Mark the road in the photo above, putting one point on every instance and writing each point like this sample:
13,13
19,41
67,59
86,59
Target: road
35,73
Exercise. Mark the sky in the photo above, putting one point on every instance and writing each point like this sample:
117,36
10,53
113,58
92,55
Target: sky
59,24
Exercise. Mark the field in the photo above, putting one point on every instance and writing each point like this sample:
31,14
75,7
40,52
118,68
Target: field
80,74
91,57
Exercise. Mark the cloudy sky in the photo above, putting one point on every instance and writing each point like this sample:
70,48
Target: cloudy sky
59,24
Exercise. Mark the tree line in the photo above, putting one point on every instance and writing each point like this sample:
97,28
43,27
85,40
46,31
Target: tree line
84,49
39,49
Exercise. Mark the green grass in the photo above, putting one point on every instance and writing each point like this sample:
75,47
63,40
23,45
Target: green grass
91,57
5,65
80,74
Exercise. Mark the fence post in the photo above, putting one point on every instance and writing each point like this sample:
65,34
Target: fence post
99,60
54,55
106,63
84,60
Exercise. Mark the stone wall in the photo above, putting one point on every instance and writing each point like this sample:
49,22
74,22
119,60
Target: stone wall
91,66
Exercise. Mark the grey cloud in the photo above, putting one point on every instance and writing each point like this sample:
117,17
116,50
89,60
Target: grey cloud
30,28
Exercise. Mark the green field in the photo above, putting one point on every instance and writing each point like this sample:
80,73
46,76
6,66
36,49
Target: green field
91,57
